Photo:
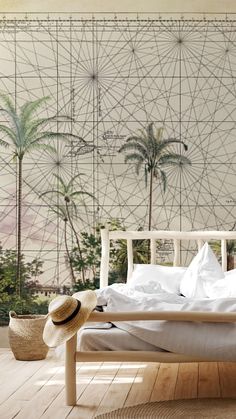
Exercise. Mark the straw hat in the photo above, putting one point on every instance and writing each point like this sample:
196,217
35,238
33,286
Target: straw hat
66,315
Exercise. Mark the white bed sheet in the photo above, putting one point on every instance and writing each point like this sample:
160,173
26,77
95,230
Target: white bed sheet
112,339
215,341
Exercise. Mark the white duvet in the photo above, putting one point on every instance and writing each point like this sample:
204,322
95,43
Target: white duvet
210,340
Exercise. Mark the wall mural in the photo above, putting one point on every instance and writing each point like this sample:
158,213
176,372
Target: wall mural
109,77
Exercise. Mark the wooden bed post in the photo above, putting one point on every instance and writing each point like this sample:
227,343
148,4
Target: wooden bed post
70,371
176,252
153,251
130,258
224,255
104,268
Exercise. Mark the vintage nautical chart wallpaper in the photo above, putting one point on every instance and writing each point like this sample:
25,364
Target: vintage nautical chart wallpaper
113,74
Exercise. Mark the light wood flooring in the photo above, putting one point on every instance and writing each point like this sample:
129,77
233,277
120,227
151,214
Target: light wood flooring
32,390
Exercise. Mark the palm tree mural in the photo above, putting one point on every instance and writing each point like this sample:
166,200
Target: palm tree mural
25,132
60,211
150,151
70,195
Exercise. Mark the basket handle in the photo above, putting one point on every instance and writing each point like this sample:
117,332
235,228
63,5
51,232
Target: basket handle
12,314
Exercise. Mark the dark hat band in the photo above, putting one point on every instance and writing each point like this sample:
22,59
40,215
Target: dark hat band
72,315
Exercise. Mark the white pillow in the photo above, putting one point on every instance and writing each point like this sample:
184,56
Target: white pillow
231,274
149,278
202,272
223,288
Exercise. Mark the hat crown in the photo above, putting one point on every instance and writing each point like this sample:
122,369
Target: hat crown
66,316
62,307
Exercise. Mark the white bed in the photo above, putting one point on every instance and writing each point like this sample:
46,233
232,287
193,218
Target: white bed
195,316
113,339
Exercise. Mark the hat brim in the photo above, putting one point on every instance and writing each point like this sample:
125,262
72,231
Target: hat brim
54,335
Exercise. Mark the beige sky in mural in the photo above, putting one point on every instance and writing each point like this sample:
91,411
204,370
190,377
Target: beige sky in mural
121,5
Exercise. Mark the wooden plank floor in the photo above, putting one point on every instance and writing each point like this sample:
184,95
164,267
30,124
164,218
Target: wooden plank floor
32,390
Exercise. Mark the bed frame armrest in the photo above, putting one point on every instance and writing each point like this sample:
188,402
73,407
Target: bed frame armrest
190,316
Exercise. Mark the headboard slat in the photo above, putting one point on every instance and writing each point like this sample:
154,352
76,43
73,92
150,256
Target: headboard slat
176,261
104,268
224,255
153,247
130,258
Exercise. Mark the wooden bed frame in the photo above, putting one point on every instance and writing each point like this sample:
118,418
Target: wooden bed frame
72,355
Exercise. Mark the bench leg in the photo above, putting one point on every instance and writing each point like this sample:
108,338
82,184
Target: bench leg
70,371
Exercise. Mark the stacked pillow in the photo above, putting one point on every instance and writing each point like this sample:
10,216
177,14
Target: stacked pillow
223,288
204,278
201,275
151,279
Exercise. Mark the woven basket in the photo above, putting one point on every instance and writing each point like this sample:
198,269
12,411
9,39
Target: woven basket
26,336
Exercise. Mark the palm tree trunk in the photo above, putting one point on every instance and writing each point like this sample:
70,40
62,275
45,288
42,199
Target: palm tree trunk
150,201
73,279
230,262
19,225
77,240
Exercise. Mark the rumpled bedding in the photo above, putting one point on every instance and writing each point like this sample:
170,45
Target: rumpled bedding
213,341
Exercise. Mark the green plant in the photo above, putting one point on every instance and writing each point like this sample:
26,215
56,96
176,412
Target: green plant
69,194
150,150
9,300
120,258
231,247
87,285
91,250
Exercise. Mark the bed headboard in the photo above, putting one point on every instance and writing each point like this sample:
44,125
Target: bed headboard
200,236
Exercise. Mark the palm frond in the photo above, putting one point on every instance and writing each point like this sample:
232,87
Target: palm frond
134,157
173,160
4,143
137,140
10,133
59,210
150,132
159,134
33,125
29,108
47,135
62,135
62,184
143,133
174,140
12,117
164,179
134,146
50,191
78,193
8,102
73,179
138,166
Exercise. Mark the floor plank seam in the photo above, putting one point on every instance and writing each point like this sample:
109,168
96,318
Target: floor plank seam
155,382
108,388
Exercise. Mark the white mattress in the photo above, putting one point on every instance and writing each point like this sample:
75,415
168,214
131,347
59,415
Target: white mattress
112,339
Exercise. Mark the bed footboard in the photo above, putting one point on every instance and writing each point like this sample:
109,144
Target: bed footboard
73,356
